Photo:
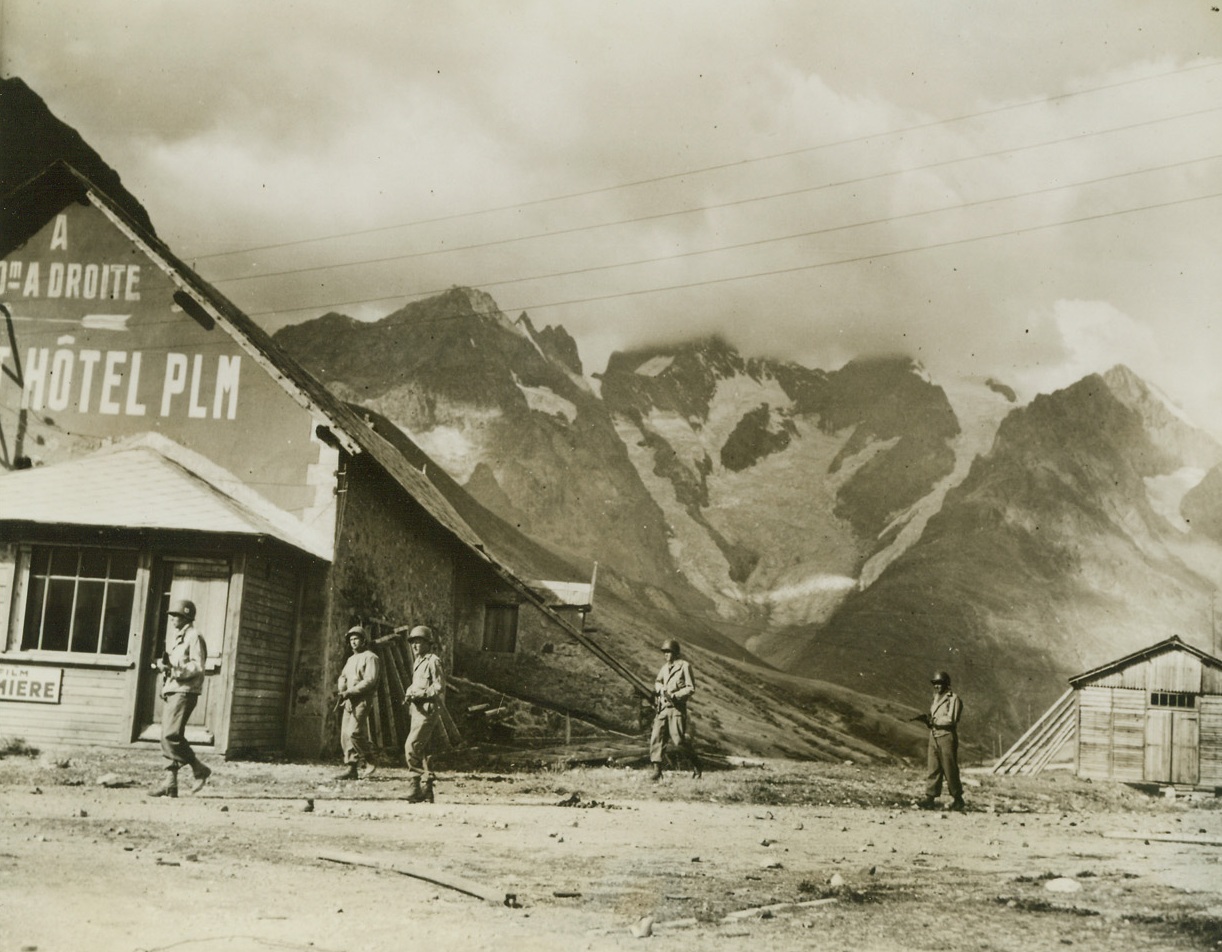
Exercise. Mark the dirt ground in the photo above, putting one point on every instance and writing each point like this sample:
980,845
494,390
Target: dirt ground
838,851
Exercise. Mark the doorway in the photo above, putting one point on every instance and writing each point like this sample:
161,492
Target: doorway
206,583
1172,746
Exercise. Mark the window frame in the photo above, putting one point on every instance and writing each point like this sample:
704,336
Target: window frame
1173,700
492,645
11,647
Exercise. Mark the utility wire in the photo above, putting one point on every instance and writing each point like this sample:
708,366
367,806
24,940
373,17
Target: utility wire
778,271
576,229
714,168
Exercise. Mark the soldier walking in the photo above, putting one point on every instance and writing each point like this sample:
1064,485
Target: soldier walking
357,686
182,672
673,687
424,698
943,757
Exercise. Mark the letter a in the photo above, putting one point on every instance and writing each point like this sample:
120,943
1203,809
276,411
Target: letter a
59,237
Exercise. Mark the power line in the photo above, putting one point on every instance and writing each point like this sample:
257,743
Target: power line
779,271
833,228
711,168
790,193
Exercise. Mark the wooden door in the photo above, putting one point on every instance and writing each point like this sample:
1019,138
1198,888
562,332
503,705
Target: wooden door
206,583
1185,747
1158,746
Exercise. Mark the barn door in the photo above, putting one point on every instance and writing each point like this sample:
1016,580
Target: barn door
1172,743
1158,746
205,582
1185,743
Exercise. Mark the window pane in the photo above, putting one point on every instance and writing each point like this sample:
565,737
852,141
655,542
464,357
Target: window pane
123,565
33,613
64,561
38,560
93,563
58,615
118,618
87,618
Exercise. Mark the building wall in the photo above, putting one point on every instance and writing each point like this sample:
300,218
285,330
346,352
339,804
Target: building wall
393,564
1111,733
548,666
1211,740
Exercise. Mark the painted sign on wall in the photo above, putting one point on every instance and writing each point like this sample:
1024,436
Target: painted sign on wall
101,349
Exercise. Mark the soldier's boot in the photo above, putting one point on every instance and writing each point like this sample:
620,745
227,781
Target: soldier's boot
367,771
656,773
348,774
426,793
929,803
958,805
414,793
202,773
697,766
168,787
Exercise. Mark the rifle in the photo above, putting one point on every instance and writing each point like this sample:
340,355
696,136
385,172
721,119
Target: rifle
923,719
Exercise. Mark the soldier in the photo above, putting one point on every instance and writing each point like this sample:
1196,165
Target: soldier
357,686
182,671
424,698
672,688
943,759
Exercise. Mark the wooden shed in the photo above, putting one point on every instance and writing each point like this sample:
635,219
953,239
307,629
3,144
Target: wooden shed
1154,716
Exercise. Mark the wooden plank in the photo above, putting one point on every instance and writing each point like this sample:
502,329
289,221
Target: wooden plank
458,884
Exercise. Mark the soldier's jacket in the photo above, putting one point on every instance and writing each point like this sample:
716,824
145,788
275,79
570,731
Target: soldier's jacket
944,713
674,685
360,674
428,685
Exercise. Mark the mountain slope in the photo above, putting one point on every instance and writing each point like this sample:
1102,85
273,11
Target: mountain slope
1049,558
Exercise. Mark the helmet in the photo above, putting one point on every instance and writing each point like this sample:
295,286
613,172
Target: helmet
671,645
420,633
184,608
358,631
940,677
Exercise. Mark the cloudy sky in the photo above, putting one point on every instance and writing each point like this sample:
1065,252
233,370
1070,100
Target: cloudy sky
1026,191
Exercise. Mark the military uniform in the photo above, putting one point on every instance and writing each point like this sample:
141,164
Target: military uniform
673,687
357,686
943,756
424,697
182,671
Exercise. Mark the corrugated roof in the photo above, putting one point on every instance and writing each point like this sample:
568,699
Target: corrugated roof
141,485
1169,644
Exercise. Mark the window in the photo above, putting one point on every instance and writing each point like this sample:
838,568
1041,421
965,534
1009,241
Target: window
1173,699
500,627
79,600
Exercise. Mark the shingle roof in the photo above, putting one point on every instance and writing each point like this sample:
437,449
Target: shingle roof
148,483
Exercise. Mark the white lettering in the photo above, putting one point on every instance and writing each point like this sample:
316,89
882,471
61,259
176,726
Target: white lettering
61,380
105,280
35,378
175,380
59,237
11,276
91,281
31,281
194,409
55,280
111,378
89,359
133,283
134,408
72,288
227,370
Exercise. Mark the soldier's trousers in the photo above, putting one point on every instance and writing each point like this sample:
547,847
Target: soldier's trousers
175,712
420,741
943,762
669,726
354,733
